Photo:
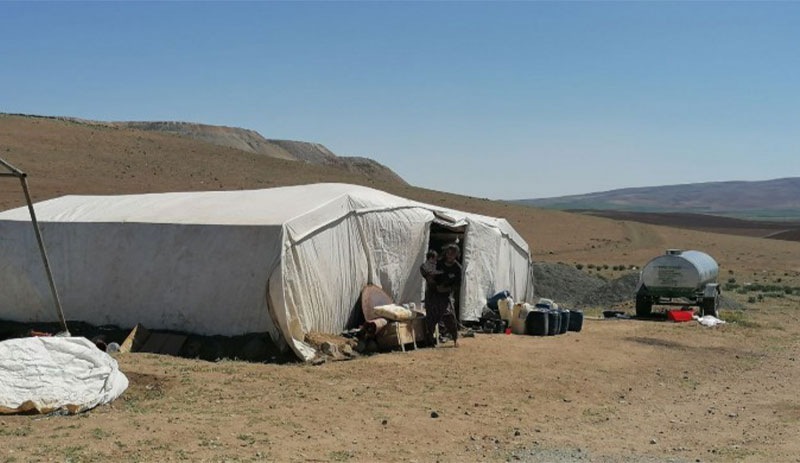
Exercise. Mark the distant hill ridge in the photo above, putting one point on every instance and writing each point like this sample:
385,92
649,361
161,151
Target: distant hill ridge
249,141
767,199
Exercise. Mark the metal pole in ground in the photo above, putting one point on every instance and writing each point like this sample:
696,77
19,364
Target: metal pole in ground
22,175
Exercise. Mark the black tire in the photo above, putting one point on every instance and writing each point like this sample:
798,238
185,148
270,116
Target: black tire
710,306
644,306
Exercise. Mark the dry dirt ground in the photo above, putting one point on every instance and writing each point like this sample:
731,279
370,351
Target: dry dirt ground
621,390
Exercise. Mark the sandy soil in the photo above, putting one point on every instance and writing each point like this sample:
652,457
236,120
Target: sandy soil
621,390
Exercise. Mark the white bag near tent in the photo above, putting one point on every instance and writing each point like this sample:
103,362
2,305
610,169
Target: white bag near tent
709,320
47,374
394,312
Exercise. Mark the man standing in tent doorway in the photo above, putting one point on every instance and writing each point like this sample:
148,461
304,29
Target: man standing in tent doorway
439,303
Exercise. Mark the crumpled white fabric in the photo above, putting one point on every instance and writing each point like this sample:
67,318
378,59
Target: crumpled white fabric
53,373
709,320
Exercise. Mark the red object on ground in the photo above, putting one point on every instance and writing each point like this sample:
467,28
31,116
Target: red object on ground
508,330
680,315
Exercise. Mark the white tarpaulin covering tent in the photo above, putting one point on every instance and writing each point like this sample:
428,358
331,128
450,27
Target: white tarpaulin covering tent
284,260
48,374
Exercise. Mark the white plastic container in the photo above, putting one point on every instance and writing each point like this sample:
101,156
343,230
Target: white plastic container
521,312
506,309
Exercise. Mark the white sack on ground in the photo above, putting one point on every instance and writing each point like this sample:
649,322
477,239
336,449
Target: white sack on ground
709,320
47,374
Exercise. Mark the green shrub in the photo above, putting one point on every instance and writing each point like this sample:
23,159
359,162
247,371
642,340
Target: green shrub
579,266
751,300
731,280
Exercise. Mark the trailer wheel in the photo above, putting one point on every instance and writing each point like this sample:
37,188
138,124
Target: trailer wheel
644,306
710,306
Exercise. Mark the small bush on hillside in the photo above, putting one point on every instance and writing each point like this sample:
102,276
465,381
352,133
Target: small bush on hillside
731,280
590,266
605,266
579,266
751,300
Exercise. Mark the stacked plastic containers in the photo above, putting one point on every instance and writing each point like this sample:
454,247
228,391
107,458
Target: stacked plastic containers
547,319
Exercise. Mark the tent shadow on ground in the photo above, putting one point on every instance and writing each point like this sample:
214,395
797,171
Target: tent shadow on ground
251,347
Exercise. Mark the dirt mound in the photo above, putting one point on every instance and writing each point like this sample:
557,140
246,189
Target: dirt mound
571,287
611,292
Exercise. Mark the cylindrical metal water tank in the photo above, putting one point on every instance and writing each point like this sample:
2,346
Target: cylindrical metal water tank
679,270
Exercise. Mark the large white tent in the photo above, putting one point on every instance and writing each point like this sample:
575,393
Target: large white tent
286,261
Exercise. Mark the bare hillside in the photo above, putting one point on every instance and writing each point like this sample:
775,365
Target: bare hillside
253,142
784,229
65,156
769,199
245,140
232,137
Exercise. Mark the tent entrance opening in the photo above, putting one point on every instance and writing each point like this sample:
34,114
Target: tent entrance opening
441,235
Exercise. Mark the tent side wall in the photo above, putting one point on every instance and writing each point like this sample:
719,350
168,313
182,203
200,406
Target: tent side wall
267,270
492,262
322,275
128,273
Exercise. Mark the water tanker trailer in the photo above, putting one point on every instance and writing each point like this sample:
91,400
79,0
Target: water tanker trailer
684,278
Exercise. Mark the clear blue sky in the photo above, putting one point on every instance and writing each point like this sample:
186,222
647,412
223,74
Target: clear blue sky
499,100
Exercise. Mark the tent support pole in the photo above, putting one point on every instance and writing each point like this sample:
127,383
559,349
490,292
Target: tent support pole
21,176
